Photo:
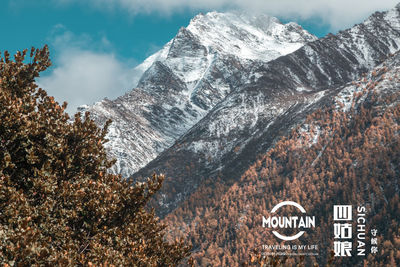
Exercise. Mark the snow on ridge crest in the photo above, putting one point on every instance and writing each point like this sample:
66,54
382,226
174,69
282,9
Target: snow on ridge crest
247,36
178,85
250,37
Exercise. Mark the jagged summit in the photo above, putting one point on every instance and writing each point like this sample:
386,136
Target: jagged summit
201,79
247,36
237,34
178,85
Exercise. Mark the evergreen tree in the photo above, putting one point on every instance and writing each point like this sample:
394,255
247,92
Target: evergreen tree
58,203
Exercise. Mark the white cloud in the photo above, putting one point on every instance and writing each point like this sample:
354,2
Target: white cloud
338,14
82,76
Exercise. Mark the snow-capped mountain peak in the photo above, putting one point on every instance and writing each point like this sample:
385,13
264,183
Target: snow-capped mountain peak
247,36
177,86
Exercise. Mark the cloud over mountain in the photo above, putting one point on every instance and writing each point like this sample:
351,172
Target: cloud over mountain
338,14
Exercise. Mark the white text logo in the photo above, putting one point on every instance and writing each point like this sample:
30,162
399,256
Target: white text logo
288,222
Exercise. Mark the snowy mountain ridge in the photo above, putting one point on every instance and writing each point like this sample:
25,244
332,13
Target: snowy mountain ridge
261,38
182,82
279,95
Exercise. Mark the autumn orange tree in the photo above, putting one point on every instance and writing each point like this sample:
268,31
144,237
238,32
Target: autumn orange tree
58,202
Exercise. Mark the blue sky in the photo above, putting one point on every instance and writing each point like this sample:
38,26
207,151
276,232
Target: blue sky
26,23
94,43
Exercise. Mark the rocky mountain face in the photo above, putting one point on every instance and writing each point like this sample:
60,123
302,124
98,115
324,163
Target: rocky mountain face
216,55
277,96
226,88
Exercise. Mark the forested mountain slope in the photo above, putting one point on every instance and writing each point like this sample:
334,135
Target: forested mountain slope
348,153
